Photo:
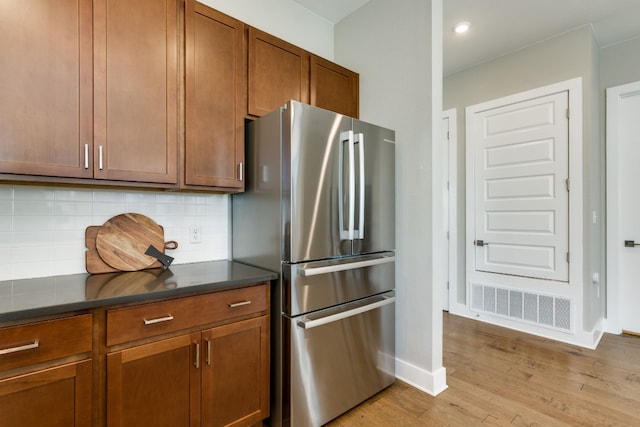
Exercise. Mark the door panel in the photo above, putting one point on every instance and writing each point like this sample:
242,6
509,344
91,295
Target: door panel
623,109
215,96
375,225
46,87
277,72
235,373
311,210
52,397
136,90
156,384
522,202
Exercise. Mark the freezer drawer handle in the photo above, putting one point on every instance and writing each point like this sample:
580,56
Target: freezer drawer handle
349,313
314,271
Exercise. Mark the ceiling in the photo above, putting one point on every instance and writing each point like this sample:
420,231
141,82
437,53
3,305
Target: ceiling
500,27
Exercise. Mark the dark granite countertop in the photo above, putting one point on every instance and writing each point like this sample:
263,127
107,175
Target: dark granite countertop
30,298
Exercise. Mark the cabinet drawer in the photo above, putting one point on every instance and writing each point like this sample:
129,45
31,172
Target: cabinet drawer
147,320
38,342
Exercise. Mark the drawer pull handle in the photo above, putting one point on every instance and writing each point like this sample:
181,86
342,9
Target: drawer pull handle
158,320
31,346
208,359
196,362
239,304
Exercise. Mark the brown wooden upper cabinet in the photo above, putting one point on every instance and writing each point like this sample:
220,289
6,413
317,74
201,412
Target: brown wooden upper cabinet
278,72
136,90
215,99
334,87
46,87
89,89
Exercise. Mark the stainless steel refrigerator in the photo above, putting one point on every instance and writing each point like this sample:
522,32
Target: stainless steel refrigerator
319,209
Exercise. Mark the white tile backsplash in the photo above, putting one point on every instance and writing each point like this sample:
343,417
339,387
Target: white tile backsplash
42,229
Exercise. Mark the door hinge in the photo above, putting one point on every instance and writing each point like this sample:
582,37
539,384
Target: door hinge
447,235
567,183
568,259
568,114
448,135
447,285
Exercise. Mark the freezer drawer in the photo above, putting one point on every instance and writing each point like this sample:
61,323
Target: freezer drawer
315,285
340,357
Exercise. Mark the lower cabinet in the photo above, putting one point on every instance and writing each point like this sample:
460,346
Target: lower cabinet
193,361
215,376
53,397
46,373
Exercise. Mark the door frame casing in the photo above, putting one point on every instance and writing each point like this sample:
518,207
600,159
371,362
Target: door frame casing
574,288
452,179
613,323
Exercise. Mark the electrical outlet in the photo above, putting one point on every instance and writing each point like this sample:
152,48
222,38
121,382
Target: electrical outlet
195,234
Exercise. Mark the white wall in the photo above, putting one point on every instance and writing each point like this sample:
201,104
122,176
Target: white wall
42,229
620,64
285,19
400,88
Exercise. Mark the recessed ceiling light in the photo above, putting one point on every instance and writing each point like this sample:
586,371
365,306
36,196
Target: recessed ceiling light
462,27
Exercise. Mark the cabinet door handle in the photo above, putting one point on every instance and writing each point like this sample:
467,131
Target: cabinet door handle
158,320
239,304
100,157
208,359
86,156
196,362
31,346
240,172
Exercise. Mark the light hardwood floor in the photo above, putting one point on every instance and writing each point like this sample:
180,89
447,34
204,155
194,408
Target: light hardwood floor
501,377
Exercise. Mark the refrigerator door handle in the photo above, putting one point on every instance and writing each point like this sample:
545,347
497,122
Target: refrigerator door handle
314,271
359,232
309,324
348,233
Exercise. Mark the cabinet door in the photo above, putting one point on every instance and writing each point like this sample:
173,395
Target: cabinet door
155,384
334,87
278,72
45,87
235,373
215,96
136,87
58,396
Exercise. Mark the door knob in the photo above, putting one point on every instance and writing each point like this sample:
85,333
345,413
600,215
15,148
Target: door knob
630,243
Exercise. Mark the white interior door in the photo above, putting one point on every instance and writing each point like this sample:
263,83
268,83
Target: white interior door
521,188
623,202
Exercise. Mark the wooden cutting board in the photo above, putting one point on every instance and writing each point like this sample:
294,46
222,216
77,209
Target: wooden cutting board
94,264
123,240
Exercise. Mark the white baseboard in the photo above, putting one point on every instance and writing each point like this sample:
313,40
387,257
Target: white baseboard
432,383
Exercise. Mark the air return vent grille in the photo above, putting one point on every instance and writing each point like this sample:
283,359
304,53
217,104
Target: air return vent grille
543,310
